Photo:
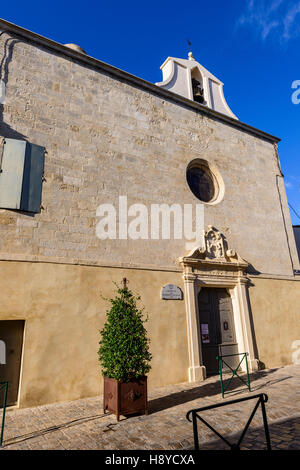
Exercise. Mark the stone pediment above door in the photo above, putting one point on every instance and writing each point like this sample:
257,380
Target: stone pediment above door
214,254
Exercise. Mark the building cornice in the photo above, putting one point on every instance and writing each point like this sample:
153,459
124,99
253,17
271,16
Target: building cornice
27,258
132,79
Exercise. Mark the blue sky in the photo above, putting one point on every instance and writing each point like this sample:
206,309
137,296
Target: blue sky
253,46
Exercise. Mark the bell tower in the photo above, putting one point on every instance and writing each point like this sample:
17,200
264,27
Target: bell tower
188,78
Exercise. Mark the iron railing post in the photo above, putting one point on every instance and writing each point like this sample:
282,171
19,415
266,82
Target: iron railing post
221,376
264,415
248,376
195,430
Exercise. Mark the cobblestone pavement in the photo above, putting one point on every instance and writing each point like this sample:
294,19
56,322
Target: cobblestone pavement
81,424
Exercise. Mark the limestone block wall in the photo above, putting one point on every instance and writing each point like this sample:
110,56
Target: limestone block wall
104,138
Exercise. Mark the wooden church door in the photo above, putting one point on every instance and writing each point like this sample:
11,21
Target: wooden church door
216,327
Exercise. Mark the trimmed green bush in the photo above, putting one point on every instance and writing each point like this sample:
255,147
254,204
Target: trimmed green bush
124,346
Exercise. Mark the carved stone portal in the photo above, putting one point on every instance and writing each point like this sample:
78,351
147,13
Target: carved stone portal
215,265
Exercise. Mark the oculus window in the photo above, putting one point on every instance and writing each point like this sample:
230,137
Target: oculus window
202,181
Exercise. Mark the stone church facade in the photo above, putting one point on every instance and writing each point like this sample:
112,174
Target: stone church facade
93,133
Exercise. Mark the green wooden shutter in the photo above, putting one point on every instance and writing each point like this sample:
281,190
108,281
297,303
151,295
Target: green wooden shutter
21,176
11,176
31,197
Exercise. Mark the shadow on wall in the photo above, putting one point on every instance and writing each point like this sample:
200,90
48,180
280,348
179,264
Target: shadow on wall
5,129
261,365
252,270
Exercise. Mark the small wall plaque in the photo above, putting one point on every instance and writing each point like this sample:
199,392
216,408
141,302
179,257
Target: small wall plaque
171,292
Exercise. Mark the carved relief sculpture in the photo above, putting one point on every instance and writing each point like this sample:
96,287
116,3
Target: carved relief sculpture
214,248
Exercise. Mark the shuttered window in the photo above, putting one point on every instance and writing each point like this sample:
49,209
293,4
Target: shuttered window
21,175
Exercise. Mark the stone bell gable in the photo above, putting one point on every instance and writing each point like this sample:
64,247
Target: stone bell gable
188,78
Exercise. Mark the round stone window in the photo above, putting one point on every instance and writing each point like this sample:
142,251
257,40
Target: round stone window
202,181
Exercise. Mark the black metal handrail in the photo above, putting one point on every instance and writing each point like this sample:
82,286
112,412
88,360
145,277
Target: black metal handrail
262,399
3,385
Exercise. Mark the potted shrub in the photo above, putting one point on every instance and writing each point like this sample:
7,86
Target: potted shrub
124,355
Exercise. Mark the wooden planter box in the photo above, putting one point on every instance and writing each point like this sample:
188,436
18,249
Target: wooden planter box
125,398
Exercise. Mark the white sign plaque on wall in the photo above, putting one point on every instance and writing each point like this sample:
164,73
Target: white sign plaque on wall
171,292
